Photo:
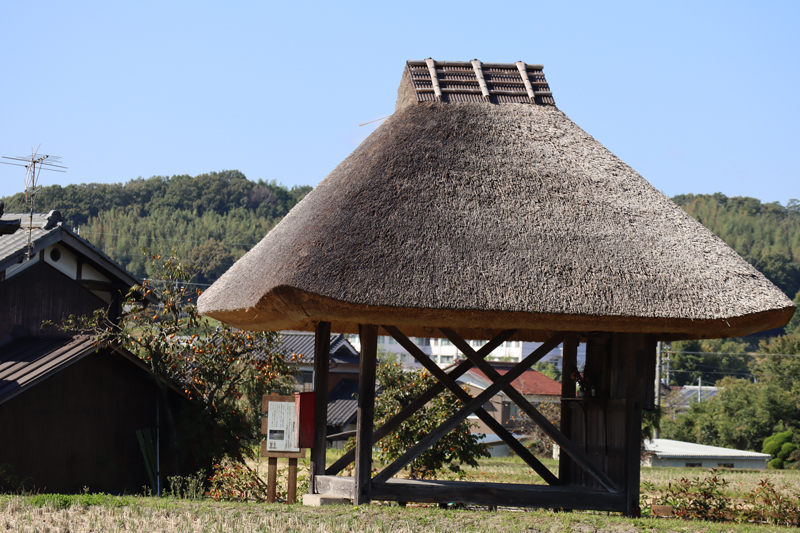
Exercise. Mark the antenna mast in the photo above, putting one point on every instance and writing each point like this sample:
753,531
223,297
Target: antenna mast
34,165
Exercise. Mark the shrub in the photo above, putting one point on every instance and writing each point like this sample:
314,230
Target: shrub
776,464
703,499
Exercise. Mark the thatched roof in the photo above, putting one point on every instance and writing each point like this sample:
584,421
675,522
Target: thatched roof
487,215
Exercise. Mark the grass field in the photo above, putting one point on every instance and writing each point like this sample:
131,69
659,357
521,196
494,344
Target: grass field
138,513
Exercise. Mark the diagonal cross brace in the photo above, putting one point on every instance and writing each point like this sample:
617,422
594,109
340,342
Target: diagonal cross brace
569,447
420,401
468,409
462,395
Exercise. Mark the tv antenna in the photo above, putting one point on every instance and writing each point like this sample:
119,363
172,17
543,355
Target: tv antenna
34,164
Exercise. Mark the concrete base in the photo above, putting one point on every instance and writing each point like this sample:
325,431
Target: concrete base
318,500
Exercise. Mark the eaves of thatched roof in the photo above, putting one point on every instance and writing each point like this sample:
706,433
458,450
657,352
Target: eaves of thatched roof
488,215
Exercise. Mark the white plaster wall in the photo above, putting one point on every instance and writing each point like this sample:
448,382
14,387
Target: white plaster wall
743,462
87,272
67,263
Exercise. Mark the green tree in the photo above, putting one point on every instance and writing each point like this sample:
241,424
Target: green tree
223,371
780,447
781,365
458,447
548,369
740,416
708,359
793,327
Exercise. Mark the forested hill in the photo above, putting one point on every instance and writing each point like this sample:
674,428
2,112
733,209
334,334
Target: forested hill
766,234
214,218
211,219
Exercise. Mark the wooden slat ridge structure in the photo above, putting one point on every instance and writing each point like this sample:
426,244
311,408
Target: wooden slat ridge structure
479,210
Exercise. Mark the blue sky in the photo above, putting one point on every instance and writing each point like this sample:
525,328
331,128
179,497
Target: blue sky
697,96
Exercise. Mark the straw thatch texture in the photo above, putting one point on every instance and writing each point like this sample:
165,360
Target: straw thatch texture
483,217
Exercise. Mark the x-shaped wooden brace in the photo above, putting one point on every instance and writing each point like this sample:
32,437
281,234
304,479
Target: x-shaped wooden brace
469,408
394,422
462,395
504,384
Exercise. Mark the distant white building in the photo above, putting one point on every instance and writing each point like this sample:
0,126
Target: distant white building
443,352
666,452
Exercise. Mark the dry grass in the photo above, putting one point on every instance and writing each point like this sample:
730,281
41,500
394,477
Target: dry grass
173,516
19,513
739,479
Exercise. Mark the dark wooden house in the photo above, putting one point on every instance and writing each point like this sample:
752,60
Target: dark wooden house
70,407
64,275
479,210
343,360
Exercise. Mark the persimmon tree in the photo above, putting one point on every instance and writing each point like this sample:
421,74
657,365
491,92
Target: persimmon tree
221,370
457,448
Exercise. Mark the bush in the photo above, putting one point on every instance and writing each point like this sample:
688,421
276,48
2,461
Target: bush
776,464
706,499
773,444
786,450
782,449
703,499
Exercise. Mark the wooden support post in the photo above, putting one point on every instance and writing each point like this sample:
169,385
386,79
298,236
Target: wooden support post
322,348
638,348
569,365
272,479
291,492
365,413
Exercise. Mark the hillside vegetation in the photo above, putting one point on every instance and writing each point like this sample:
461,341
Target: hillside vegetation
766,234
211,219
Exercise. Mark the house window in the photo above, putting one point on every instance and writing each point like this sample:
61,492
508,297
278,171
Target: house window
422,341
724,465
446,342
694,465
444,359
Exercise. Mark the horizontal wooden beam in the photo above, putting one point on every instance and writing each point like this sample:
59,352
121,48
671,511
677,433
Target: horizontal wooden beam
497,494
267,453
478,91
468,64
96,285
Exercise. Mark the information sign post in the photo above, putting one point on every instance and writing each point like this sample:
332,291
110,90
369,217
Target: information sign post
280,440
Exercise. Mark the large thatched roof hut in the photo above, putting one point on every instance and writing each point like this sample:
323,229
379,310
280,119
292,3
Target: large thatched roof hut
481,216
480,210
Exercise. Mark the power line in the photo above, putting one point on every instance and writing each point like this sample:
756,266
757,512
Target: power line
755,354
168,240
178,282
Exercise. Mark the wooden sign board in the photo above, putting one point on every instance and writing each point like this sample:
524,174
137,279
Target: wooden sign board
279,428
